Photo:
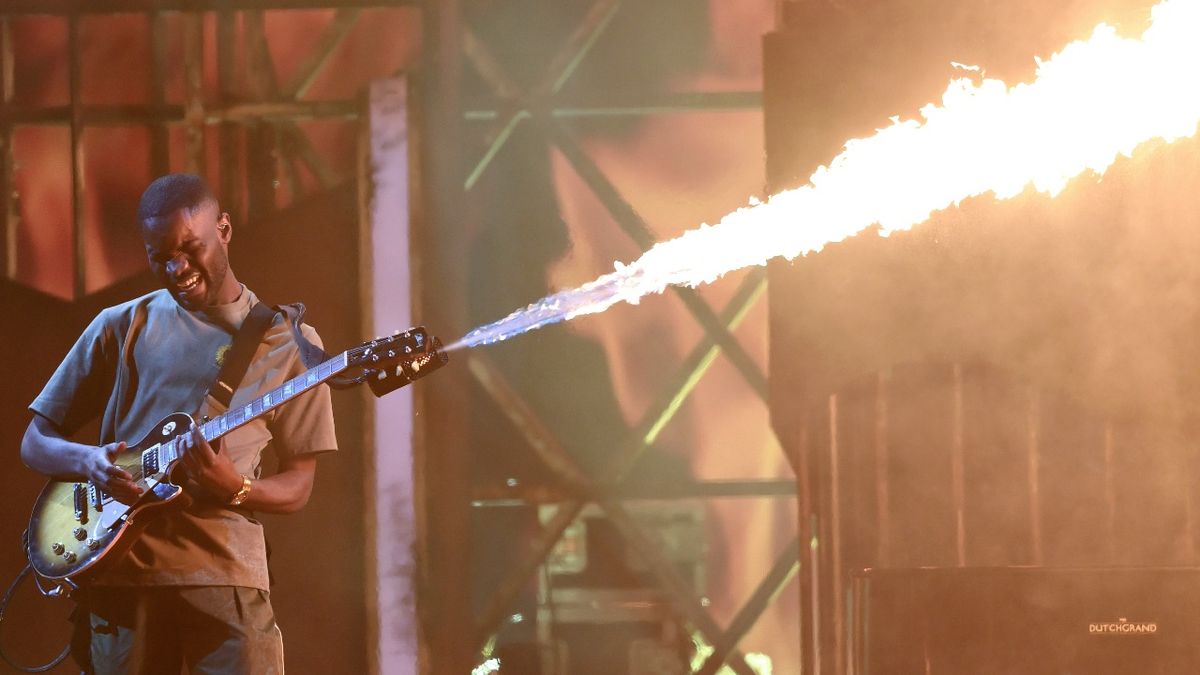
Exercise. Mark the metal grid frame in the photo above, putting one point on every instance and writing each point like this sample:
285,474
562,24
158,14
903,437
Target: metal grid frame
542,106
268,110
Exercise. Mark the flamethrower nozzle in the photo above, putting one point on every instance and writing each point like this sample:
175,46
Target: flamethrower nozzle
423,355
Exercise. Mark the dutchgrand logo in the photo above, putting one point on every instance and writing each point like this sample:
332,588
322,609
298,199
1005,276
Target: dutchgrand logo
1123,626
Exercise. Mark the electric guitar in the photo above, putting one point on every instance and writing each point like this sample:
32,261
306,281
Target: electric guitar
76,527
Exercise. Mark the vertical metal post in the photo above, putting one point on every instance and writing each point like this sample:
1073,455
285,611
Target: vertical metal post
1033,424
287,161
1189,506
160,139
8,220
815,576
260,158
229,163
74,74
806,524
441,452
1110,490
883,527
390,518
958,470
193,91
835,535
366,297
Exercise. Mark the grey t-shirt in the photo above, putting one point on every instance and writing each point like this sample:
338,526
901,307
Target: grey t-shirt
147,358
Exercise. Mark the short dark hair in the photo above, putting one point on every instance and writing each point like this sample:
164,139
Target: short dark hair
172,192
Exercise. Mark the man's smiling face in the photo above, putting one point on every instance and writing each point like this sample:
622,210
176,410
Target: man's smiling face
188,252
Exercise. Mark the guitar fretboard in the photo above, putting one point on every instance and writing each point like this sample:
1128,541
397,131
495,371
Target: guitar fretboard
261,405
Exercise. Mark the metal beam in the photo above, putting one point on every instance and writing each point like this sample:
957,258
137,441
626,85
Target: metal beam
781,573
502,497
8,220
193,93
160,139
333,36
637,229
74,76
93,115
77,7
682,595
298,111
561,68
503,86
260,155
555,457
444,533
299,146
231,162
576,49
540,439
639,439
291,174
694,366
624,104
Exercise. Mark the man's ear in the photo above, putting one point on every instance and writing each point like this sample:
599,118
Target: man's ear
224,228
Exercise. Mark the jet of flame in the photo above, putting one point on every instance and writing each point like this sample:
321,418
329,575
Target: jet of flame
1095,100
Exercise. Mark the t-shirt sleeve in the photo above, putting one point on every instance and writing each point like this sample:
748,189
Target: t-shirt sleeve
78,390
305,426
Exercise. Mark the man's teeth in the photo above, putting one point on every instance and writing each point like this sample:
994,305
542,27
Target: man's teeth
189,283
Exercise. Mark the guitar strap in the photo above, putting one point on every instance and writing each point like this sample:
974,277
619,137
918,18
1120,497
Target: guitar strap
310,354
246,342
237,360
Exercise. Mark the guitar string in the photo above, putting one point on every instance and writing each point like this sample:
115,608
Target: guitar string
135,469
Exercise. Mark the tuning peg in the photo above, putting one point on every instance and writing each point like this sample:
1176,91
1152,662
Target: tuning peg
382,375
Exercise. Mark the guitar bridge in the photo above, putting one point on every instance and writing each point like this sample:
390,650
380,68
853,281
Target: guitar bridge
96,496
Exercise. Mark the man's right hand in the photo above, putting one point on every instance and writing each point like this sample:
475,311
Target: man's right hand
45,450
100,469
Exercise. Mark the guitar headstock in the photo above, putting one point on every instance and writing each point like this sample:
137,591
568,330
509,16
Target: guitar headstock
396,360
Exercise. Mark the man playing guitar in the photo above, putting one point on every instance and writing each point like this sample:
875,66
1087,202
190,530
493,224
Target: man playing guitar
193,587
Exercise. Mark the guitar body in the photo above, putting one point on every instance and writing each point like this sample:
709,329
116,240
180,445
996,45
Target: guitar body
75,527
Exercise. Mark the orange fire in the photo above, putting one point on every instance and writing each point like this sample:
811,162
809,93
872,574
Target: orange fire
1095,100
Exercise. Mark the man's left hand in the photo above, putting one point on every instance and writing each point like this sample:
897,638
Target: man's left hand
212,470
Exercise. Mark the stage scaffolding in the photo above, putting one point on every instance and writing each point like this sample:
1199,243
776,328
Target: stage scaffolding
275,151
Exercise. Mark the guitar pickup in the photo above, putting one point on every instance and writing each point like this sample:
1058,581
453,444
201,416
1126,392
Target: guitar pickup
81,503
150,461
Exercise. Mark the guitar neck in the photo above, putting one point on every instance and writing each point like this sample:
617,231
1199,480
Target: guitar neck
387,363
236,417
261,405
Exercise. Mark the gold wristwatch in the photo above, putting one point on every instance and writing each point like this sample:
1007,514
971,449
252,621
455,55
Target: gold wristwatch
241,494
